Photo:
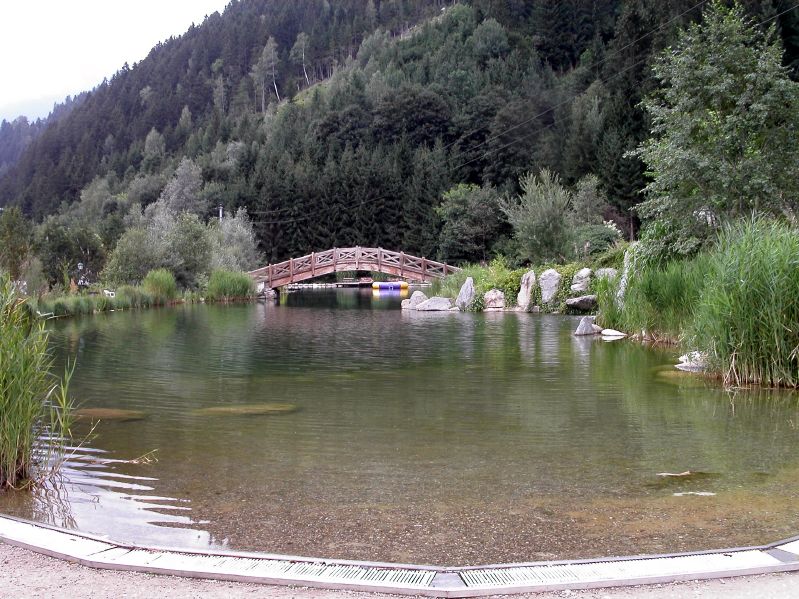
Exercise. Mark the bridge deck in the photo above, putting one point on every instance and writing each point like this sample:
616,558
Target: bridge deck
316,264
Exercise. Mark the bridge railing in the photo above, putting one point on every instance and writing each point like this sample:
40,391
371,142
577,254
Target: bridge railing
357,258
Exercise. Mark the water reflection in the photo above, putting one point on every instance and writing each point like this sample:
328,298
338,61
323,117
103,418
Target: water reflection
440,437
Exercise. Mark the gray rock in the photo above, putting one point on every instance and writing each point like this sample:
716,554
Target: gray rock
526,291
581,280
610,273
549,281
417,297
493,299
597,329
435,304
406,304
465,295
586,326
584,302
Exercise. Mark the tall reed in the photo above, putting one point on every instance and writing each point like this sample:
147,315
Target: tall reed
161,285
225,285
747,320
33,404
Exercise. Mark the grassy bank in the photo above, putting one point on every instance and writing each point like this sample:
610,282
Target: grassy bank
738,303
157,289
33,403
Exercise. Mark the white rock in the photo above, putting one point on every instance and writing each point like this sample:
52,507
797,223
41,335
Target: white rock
694,361
586,326
417,297
581,280
494,299
435,304
613,333
406,304
549,281
465,295
526,291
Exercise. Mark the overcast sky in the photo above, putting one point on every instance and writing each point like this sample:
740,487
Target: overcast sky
53,48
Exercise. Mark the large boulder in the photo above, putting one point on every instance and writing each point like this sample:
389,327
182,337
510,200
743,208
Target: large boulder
494,299
609,273
582,303
549,281
581,280
586,326
465,295
435,304
406,304
526,291
417,297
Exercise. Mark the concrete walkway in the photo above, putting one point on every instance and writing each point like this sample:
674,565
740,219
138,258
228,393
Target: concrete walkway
27,574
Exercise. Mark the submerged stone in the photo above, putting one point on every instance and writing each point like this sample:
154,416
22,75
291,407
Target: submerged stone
119,415
248,409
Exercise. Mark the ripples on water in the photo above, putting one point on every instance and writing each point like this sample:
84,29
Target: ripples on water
499,427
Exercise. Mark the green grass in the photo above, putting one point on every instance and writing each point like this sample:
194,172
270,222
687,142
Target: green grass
225,285
497,275
658,301
32,402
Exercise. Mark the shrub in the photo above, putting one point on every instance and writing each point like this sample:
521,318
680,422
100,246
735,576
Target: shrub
225,285
32,402
747,318
161,285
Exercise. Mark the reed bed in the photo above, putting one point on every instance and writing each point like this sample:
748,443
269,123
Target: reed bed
33,403
226,285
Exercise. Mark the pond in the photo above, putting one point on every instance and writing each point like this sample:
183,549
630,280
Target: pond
378,434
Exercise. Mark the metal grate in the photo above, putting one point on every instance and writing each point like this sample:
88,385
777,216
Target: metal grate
616,570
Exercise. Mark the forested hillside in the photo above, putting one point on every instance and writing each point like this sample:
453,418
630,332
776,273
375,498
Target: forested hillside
343,123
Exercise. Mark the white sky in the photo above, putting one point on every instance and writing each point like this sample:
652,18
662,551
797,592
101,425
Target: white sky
53,48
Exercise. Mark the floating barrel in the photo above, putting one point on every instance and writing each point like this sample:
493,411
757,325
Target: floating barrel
390,285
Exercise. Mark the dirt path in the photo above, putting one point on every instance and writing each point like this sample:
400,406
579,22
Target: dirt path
27,574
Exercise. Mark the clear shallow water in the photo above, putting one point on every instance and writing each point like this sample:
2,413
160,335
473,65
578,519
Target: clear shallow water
440,438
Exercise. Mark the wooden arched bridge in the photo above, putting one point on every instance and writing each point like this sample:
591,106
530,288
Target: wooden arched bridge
313,265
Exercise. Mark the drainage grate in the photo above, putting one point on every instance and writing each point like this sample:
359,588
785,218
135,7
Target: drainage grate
274,569
617,570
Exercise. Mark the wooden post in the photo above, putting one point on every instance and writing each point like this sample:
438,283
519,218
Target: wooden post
291,268
380,259
402,265
357,255
269,272
313,265
424,269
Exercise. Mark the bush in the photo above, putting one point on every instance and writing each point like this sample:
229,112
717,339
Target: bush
32,402
225,285
161,285
747,318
